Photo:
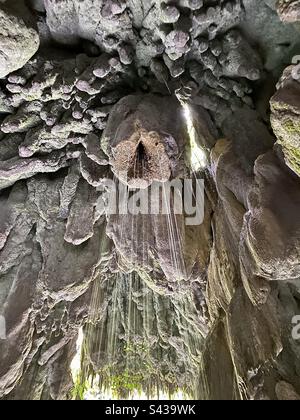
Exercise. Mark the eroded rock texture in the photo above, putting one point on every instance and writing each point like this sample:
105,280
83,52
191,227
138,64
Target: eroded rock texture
140,93
146,138
289,10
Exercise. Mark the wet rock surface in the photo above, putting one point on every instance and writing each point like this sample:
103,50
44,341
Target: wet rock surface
136,92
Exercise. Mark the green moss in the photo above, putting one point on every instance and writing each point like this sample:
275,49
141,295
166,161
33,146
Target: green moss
79,389
136,348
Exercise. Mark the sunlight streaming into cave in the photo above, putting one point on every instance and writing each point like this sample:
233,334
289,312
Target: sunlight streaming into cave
198,155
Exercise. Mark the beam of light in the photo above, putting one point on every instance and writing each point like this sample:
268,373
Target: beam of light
76,362
198,155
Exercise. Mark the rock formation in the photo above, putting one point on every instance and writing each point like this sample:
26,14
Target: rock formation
289,10
139,93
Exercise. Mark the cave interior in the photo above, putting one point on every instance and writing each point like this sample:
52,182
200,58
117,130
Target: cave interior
101,303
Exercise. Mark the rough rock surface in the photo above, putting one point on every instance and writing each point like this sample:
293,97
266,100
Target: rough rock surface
19,41
133,91
145,138
285,117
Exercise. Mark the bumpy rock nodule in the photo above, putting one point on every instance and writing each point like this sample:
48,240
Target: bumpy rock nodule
19,40
204,308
